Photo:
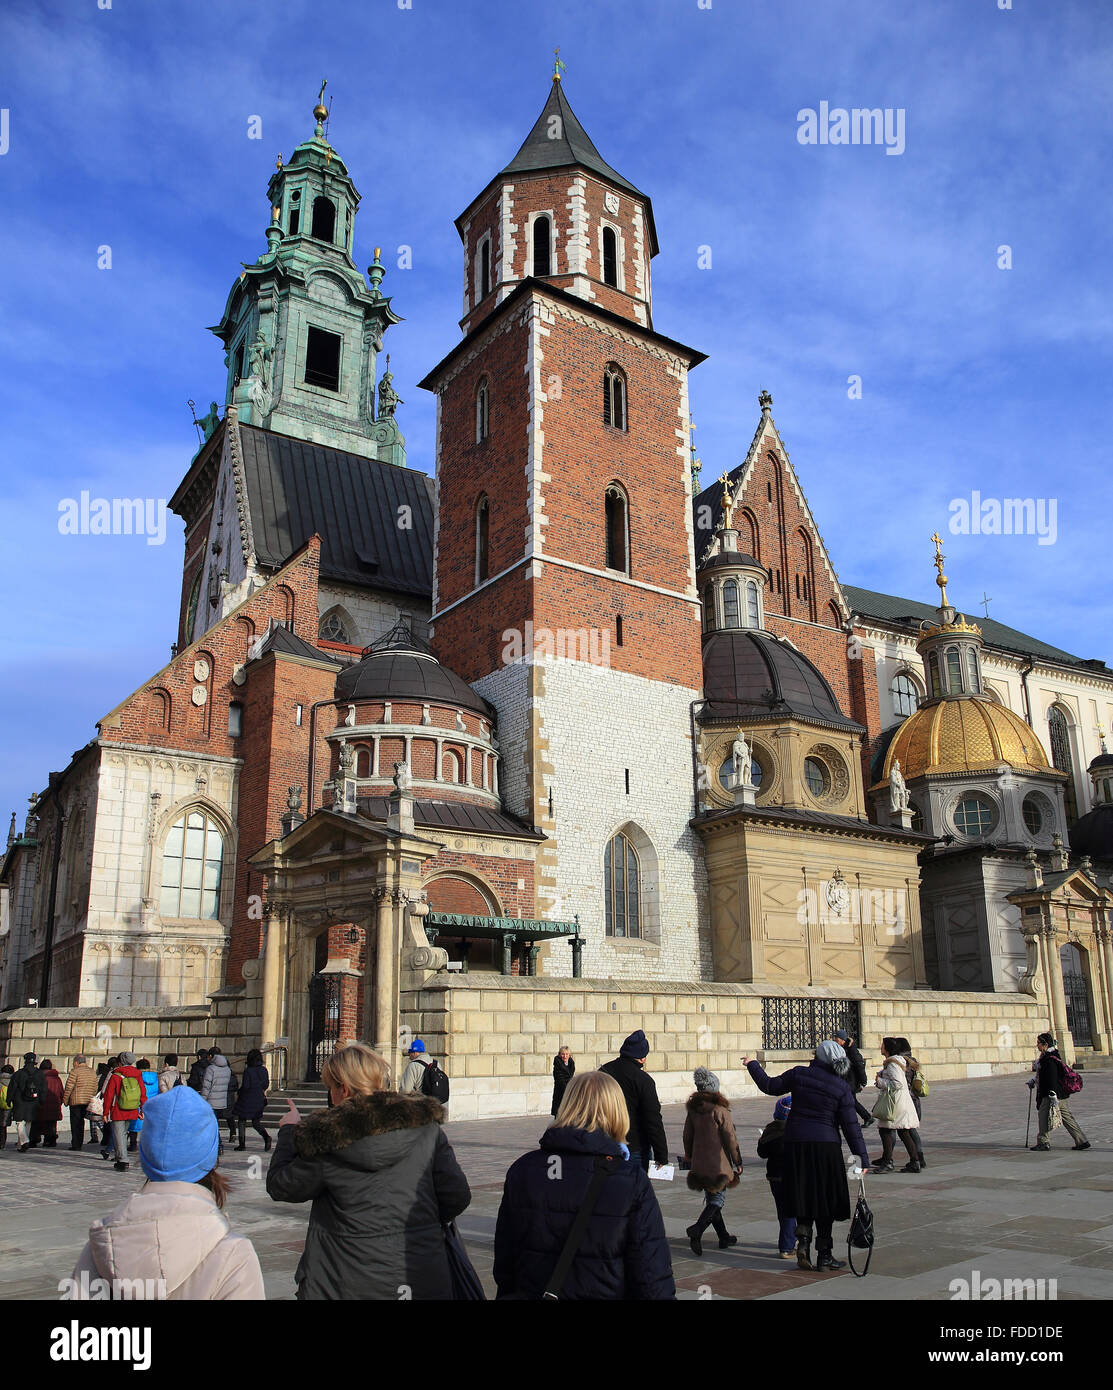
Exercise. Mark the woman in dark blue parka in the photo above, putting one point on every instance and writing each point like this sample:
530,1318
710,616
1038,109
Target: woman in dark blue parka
815,1181
251,1099
624,1253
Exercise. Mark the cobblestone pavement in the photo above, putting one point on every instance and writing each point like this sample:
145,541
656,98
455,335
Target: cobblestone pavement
983,1204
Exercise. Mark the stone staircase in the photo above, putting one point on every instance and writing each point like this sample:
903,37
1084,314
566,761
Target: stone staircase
1085,1061
308,1096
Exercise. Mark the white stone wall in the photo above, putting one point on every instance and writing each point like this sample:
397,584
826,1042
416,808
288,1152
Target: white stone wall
596,723
372,611
132,957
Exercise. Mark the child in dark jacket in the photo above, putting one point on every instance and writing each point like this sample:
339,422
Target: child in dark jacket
771,1147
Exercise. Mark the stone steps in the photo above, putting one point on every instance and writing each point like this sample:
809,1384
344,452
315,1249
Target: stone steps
308,1096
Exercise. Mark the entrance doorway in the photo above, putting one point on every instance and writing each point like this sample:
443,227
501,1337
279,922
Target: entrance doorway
1077,991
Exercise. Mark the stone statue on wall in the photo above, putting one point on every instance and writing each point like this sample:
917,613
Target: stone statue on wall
898,792
743,762
389,399
402,779
347,758
293,798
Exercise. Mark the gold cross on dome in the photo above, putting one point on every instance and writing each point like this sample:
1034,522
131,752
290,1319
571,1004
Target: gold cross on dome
728,503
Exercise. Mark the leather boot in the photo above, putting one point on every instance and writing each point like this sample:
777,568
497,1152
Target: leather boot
804,1251
243,1137
266,1142
706,1216
726,1240
826,1261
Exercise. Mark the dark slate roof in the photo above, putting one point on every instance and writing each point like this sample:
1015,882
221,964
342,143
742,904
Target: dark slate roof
457,815
405,675
821,820
1092,834
750,674
281,639
909,612
731,557
296,488
540,151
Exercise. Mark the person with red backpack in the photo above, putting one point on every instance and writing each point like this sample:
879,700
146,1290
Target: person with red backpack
1054,1082
123,1100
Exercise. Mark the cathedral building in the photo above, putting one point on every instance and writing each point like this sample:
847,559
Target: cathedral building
544,743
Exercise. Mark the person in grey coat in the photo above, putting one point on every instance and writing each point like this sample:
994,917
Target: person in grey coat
383,1180
219,1087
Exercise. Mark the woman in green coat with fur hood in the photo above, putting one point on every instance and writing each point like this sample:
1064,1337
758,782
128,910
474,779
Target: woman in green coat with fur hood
382,1178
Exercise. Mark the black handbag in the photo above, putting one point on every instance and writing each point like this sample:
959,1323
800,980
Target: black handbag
860,1235
466,1285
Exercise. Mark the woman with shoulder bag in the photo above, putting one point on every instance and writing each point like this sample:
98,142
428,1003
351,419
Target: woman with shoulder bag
918,1089
894,1110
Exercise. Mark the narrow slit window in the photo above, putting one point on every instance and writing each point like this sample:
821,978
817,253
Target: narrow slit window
482,411
617,523
485,269
610,257
614,398
618,634
542,247
482,525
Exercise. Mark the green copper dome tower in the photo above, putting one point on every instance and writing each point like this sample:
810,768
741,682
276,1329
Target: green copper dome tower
302,328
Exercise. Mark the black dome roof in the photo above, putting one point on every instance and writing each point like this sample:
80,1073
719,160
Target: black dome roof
1092,834
737,559
400,666
750,674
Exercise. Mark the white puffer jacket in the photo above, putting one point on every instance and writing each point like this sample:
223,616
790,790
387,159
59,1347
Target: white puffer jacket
894,1076
174,1238
216,1081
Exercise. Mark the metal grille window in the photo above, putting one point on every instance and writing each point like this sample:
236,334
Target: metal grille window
972,669
730,603
1061,757
954,671
800,1025
973,816
192,859
905,696
753,613
621,888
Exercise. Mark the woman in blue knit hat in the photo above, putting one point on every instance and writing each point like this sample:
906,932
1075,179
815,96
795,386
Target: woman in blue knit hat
171,1239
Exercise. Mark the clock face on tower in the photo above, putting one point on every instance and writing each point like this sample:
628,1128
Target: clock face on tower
838,896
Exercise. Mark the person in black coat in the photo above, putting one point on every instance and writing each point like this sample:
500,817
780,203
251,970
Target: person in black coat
564,1069
196,1077
624,1253
856,1077
383,1180
252,1099
1049,1081
25,1090
646,1138
771,1147
815,1180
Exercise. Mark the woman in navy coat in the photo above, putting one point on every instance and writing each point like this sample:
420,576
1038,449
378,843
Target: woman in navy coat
815,1181
624,1253
252,1099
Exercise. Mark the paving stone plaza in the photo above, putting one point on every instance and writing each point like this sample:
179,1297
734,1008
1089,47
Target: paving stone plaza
984,1208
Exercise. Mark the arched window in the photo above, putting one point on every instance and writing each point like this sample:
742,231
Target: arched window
332,628
482,411
191,609
730,603
614,397
324,219
451,767
192,859
295,212
483,285
834,617
933,674
753,608
905,695
160,709
954,671
542,246
610,257
972,669
622,888
363,762
482,525
1061,758
618,529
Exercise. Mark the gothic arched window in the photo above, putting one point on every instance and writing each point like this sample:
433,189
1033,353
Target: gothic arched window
622,888
730,603
324,219
610,257
614,397
483,287
482,411
1061,757
482,532
617,520
905,695
332,628
542,246
363,762
192,861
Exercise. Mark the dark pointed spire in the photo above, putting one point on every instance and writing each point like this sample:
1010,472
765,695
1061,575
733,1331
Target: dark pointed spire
558,140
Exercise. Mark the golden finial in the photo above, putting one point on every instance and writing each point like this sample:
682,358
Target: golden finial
940,578
319,110
278,161
276,213
728,503
558,66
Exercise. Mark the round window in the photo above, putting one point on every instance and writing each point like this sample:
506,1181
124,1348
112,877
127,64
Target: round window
1033,815
726,773
974,816
817,777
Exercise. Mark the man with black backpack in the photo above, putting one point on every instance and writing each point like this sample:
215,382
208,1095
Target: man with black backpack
124,1095
423,1077
1054,1082
25,1090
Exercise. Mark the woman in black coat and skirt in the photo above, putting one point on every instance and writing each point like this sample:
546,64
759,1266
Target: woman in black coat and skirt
252,1099
564,1069
815,1181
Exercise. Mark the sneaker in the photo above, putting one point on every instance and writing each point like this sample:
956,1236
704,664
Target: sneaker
883,1167
827,1261
911,1168
121,1167
787,1254
1041,1148
1079,1147
725,1242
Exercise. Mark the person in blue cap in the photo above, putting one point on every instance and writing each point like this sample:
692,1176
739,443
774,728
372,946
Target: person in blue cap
171,1239
415,1068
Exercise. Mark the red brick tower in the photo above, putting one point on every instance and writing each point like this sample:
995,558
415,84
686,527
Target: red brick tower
564,585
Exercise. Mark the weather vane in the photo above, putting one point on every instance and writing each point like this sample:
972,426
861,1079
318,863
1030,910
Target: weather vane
558,66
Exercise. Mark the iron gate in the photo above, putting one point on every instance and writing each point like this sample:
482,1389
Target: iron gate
324,1022
1078,996
800,1025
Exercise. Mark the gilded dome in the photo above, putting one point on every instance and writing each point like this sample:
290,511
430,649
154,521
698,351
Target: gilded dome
971,735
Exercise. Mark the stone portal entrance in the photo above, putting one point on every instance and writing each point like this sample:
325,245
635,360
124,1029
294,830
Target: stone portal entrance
1076,987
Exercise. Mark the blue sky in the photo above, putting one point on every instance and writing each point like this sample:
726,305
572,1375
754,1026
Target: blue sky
128,127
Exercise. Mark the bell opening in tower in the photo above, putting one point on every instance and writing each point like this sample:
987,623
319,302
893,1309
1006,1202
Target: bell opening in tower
324,219
322,359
